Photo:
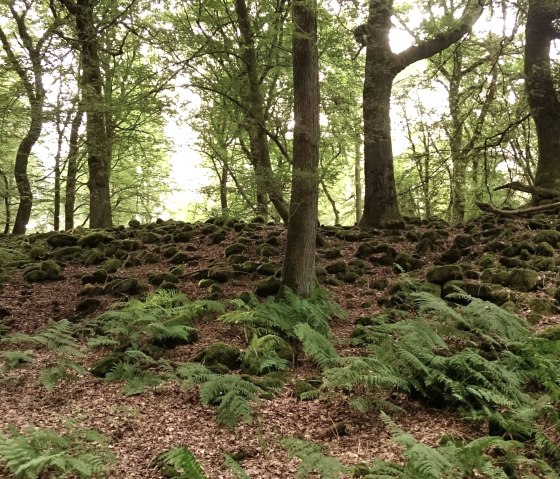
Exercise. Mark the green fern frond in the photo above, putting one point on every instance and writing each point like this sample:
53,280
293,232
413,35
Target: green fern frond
14,359
235,468
184,464
312,459
316,346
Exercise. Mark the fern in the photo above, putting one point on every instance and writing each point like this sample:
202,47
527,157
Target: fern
312,459
183,463
267,353
316,346
80,453
456,460
14,359
234,467
232,395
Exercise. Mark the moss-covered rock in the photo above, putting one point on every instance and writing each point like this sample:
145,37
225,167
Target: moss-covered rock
545,249
267,269
220,353
35,276
337,267
181,257
97,277
91,290
149,237
267,287
523,279
111,265
350,277
92,240
87,306
66,252
487,260
59,240
248,266
131,261
38,253
541,306
445,273
218,236
234,248
544,264
266,250
221,273
424,246
332,253
236,259
93,257
406,262
170,251
452,255
157,279
51,269
549,236
495,276
106,364
124,286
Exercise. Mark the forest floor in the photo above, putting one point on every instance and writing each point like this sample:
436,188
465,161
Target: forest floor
140,427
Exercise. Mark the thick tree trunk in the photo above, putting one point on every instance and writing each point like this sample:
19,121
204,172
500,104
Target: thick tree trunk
96,132
72,169
382,65
358,203
265,177
543,98
299,262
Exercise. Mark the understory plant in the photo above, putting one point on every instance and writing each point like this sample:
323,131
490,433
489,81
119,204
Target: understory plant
488,457
38,453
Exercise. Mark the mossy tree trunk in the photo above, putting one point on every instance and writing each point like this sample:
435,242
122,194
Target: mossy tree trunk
541,29
299,261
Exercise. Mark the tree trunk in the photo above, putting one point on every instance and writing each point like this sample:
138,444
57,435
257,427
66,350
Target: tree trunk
382,65
20,168
6,198
72,171
543,98
96,132
299,262
358,182
223,190
263,169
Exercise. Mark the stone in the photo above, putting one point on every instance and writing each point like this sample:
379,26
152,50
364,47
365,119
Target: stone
365,250
549,236
90,290
221,274
266,250
51,269
93,257
237,259
217,237
111,265
487,260
157,279
234,248
337,267
181,257
134,224
248,266
35,276
545,249
462,241
92,240
87,306
495,276
220,353
424,246
552,333
452,255
123,286
38,253
149,237
267,269
407,262
332,253
59,240
544,264
523,279
267,287
445,273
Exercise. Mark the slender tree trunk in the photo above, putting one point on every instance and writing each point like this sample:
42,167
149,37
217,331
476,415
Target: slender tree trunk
358,203
223,190
264,173
20,168
72,170
458,160
299,261
6,197
542,94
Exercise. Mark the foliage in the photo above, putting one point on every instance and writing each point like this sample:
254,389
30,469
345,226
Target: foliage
183,463
58,338
233,395
78,453
234,467
281,316
164,315
488,457
312,459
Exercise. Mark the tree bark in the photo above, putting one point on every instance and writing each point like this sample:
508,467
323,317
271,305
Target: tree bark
542,94
382,66
6,197
265,177
72,169
299,261
97,143
358,182
32,81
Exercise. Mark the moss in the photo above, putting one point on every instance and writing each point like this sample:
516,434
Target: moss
51,269
266,250
92,240
123,286
552,333
549,236
522,279
267,287
38,253
220,353
60,240
234,248
94,256
264,347
106,364
111,265
407,262
267,269
545,249
544,264
222,274
35,276
487,260
337,267
443,274
158,278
